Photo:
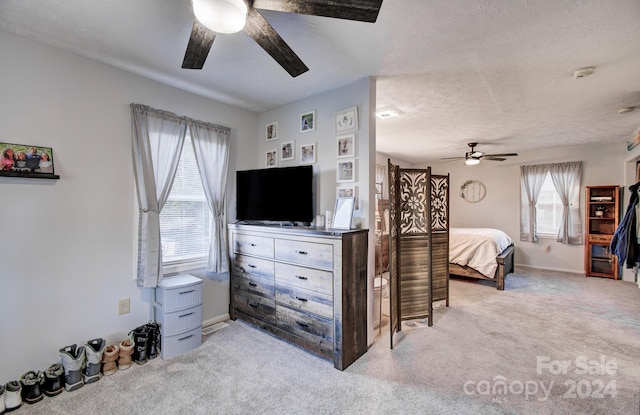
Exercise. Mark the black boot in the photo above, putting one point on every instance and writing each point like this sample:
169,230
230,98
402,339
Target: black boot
154,339
140,339
53,380
32,386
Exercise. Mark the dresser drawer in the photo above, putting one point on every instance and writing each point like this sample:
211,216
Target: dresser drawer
253,266
171,346
253,245
258,285
313,329
180,321
309,278
260,307
178,293
305,253
305,300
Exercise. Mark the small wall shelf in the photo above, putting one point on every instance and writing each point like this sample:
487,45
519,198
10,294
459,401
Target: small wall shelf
29,175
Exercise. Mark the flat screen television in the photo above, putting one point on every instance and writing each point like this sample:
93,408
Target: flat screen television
282,194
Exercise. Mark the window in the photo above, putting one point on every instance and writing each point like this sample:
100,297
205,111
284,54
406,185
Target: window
185,219
548,209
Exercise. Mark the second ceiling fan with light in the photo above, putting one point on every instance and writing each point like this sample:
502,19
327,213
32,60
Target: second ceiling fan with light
473,157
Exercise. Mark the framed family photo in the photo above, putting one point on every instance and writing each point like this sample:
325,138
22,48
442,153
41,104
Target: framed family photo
346,146
346,121
272,131
308,153
346,171
271,158
308,122
287,151
25,160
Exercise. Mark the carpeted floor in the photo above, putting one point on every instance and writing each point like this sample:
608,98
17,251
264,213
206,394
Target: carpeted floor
548,344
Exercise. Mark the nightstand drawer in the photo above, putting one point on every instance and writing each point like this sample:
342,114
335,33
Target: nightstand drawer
179,292
253,245
180,321
305,300
309,278
305,253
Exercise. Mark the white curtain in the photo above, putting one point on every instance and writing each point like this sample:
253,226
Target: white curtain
158,137
566,179
211,147
531,181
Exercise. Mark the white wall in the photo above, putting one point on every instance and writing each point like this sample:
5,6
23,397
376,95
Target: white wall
360,94
603,165
68,246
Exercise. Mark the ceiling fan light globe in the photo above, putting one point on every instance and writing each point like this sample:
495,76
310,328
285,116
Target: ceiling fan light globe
472,162
221,16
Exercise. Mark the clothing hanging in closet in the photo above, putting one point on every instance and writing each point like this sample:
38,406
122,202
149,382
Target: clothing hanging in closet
625,244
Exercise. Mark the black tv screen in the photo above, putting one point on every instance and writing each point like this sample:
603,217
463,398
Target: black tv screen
282,194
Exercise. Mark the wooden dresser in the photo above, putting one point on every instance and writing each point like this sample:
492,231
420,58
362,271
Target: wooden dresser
307,286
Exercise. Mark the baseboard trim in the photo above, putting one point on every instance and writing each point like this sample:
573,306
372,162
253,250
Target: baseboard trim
215,320
569,271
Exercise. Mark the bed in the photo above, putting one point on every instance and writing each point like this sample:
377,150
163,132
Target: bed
482,253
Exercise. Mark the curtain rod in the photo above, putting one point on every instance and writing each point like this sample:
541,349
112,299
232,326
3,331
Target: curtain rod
171,115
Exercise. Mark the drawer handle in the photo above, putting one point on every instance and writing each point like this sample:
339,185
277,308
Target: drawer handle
251,266
253,284
304,300
186,292
185,315
300,277
301,324
252,244
253,304
185,338
301,252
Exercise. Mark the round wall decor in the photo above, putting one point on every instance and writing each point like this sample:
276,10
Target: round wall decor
473,191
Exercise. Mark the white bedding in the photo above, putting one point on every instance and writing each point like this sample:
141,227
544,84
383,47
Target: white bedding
477,248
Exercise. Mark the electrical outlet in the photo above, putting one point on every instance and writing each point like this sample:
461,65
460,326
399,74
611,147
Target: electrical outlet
547,248
123,306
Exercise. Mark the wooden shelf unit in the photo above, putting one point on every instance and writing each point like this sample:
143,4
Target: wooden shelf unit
602,216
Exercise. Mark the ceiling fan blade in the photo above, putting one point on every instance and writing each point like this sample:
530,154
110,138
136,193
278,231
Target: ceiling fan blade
500,155
198,47
266,36
494,158
359,10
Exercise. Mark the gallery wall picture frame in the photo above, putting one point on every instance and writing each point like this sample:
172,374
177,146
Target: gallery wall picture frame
287,151
271,131
25,160
346,171
346,121
346,146
343,213
308,153
308,121
271,158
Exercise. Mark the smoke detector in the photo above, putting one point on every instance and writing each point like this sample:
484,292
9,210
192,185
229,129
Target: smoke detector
582,72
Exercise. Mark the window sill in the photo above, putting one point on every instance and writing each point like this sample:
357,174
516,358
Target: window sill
547,236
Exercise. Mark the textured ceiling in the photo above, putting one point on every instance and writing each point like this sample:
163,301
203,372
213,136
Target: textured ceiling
498,72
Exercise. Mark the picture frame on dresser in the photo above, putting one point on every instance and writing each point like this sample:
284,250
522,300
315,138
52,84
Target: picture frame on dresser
343,212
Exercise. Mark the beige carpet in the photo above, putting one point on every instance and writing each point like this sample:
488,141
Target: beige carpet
522,350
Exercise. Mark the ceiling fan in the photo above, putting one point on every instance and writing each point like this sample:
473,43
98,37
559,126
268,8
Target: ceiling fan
231,16
473,156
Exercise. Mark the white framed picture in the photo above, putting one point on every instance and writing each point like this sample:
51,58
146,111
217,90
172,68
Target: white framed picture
348,191
308,153
346,171
307,122
346,121
272,131
271,158
346,146
287,151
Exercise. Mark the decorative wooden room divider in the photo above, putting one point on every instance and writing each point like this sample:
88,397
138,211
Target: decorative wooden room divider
418,244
